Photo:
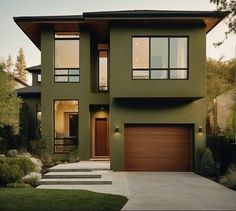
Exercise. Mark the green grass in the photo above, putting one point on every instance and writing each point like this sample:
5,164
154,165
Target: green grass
58,200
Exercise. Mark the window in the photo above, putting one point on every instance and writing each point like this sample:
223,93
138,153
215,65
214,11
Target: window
66,124
39,78
159,58
38,116
67,57
103,70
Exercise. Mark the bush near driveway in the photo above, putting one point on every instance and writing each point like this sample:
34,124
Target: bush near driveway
58,200
229,179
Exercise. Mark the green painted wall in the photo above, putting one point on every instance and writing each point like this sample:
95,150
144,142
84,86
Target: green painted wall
121,86
76,91
121,64
145,110
31,103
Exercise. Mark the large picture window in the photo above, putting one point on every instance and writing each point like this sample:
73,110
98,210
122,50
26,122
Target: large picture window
67,57
66,125
159,58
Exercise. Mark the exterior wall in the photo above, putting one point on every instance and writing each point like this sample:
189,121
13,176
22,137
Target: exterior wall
120,39
31,106
75,91
145,107
225,103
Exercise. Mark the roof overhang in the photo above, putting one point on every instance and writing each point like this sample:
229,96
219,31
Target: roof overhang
100,21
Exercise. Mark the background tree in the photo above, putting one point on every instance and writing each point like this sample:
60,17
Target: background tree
220,78
9,102
9,64
20,66
227,5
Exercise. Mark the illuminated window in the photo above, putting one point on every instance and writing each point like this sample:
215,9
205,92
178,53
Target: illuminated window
159,58
67,61
66,124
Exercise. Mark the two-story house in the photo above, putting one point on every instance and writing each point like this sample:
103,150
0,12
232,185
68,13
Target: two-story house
124,85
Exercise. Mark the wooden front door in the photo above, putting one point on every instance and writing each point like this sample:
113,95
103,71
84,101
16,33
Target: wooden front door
101,137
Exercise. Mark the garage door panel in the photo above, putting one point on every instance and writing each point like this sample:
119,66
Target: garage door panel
158,148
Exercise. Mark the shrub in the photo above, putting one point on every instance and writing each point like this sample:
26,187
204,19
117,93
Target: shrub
73,156
229,180
207,165
13,169
18,185
25,164
12,153
9,172
32,179
39,147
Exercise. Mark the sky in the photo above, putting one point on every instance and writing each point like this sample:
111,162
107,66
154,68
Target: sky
12,38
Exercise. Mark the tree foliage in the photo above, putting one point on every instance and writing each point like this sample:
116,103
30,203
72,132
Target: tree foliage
9,64
220,78
9,102
20,67
227,5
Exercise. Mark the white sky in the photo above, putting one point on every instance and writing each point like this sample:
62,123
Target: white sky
12,38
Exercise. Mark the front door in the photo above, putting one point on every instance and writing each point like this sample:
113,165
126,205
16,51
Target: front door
101,137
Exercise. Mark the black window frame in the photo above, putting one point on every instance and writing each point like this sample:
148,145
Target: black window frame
149,69
69,68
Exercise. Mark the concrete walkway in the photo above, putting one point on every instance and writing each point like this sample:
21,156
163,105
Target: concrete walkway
159,190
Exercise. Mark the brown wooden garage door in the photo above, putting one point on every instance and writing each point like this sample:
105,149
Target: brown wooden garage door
158,148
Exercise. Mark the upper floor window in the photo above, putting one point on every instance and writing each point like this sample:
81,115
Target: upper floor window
67,57
160,58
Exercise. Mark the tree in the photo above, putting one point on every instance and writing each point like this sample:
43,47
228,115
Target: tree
9,64
220,78
20,71
9,102
227,5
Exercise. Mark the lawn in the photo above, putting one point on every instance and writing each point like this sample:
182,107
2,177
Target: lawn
39,199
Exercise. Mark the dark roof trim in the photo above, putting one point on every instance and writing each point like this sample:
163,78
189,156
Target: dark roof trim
154,14
34,69
46,19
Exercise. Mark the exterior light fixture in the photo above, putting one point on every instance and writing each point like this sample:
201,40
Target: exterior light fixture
117,130
200,129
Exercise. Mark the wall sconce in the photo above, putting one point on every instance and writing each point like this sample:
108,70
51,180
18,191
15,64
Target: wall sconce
117,130
200,129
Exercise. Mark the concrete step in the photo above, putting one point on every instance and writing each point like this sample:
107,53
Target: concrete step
75,182
70,176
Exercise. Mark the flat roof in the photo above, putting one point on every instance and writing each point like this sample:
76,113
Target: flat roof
100,21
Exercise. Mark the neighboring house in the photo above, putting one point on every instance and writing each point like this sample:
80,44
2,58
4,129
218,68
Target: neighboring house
19,83
225,103
124,85
31,108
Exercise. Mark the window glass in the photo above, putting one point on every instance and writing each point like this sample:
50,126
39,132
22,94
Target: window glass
178,74
159,74
61,78
66,125
39,77
178,52
103,70
66,53
73,78
140,74
140,52
159,52
74,72
61,72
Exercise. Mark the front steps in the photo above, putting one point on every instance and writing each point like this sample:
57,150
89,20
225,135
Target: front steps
82,173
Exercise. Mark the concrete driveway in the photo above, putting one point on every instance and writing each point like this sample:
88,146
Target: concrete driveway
176,191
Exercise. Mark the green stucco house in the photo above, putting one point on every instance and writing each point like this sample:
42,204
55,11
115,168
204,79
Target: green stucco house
128,86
